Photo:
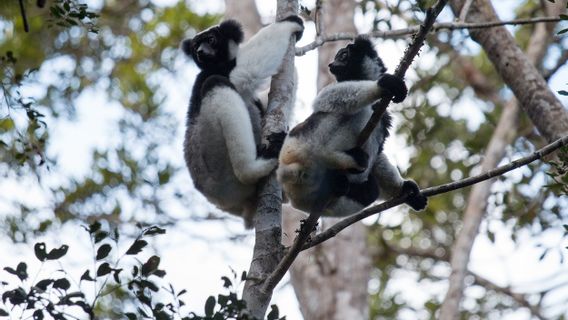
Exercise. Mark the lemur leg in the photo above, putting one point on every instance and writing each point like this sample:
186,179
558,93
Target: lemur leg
238,134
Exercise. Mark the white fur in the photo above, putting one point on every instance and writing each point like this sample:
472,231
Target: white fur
237,132
221,142
347,97
262,56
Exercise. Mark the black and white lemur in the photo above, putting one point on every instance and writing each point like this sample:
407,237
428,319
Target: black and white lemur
320,166
224,116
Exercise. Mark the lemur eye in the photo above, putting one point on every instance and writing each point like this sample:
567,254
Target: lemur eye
342,56
211,40
303,175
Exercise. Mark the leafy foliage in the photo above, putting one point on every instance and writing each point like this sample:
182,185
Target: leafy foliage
59,296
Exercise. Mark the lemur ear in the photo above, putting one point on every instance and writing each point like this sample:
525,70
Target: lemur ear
232,30
186,46
363,41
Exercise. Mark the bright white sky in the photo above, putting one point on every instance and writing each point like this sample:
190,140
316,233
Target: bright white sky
197,255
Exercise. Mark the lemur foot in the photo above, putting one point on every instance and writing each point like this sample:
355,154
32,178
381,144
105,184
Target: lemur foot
415,200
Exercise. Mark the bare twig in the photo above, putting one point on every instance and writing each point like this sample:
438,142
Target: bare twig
307,227
518,297
465,10
432,191
24,17
411,51
400,33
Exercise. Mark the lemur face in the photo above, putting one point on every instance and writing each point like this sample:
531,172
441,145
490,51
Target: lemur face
357,61
214,46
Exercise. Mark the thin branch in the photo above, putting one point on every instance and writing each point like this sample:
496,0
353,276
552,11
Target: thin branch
432,191
560,63
400,33
309,224
24,17
411,51
465,10
518,297
305,230
318,19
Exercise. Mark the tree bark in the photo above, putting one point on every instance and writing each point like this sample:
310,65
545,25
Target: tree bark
503,136
331,279
268,219
535,97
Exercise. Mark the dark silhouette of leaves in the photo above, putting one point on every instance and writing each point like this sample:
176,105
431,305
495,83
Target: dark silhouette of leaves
55,254
136,247
39,250
103,251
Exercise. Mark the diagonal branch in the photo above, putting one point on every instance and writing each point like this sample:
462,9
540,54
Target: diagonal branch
310,223
432,191
411,51
400,33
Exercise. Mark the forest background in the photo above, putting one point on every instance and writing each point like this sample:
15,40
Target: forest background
91,123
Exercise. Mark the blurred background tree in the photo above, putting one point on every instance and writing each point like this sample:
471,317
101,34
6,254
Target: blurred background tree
91,126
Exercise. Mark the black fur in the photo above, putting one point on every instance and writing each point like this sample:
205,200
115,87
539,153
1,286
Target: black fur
394,85
219,63
298,20
416,200
215,81
348,65
364,193
348,62
361,158
272,150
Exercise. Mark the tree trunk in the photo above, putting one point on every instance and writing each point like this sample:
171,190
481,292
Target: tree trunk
535,97
268,220
477,202
330,280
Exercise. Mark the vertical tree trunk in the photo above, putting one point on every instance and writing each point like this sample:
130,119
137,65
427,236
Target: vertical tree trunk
477,200
331,279
268,220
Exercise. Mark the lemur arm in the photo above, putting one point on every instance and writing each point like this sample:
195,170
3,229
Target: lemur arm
262,55
347,97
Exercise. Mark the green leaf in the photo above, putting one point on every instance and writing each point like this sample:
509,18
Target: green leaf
43,284
563,92
62,283
153,230
94,227
20,271
103,251
226,282
86,276
55,254
3,313
131,316
100,236
564,16
209,306
37,315
136,247
273,314
39,250
6,124
150,266
103,269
